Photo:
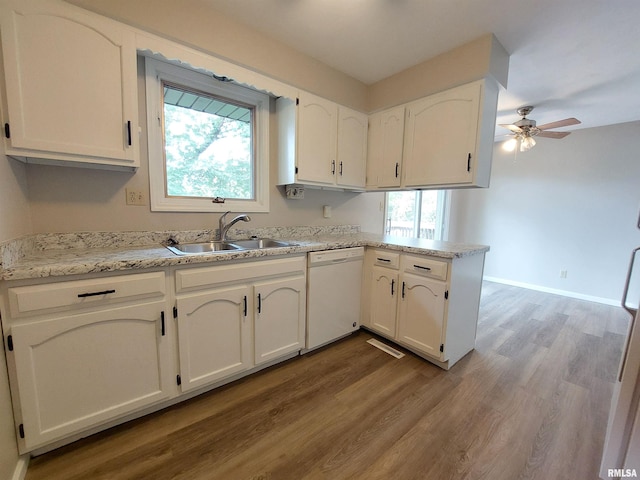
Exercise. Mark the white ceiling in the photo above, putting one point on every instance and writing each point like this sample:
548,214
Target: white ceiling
569,58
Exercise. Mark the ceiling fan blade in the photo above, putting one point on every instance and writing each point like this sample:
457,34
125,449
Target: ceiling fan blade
557,135
560,123
513,128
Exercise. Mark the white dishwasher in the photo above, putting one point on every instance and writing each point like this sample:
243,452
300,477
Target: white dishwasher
333,295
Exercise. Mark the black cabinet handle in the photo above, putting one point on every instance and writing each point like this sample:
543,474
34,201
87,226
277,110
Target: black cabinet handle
397,166
245,306
129,132
259,303
95,294
393,284
423,268
403,289
469,163
333,167
162,329
340,168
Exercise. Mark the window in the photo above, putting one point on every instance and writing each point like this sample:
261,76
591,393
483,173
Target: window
208,142
418,214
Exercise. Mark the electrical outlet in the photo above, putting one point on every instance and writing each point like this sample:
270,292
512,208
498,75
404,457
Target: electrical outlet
294,191
135,197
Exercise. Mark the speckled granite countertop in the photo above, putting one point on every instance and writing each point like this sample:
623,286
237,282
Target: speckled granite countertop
54,255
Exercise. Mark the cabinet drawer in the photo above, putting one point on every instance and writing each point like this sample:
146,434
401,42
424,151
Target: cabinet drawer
386,259
426,267
83,293
192,278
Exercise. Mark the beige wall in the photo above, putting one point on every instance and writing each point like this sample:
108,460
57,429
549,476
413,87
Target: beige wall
475,60
67,199
15,222
15,218
200,26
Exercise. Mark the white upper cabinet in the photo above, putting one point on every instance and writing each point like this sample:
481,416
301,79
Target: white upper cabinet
440,138
444,140
321,143
71,90
386,137
351,156
317,132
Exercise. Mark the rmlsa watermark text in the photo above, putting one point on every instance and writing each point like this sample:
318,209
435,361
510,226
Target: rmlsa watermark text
622,473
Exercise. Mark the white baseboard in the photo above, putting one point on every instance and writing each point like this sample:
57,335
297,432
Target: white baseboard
21,468
564,293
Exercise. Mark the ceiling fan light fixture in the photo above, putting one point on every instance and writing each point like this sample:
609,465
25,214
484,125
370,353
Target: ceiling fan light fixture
527,143
525,129
510,145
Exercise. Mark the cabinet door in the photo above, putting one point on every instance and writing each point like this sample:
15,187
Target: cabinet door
78,371
317,128
352,148
441,137
392,131
280,317
214,335
421,313
384,295
71,83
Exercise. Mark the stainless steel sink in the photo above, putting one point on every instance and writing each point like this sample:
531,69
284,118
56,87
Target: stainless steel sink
204,247
228,246
260,243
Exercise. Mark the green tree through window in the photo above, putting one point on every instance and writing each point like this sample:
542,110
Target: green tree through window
207,154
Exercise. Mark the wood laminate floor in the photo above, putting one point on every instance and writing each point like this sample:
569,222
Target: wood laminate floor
531,402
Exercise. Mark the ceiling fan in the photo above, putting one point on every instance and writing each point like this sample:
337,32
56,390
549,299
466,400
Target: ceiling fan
524,130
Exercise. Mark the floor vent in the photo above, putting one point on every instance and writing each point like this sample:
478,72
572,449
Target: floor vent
385,348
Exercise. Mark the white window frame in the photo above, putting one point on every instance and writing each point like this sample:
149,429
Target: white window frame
157,72
442,214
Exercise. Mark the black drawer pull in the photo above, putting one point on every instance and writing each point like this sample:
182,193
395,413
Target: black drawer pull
95,294
383,260
423,268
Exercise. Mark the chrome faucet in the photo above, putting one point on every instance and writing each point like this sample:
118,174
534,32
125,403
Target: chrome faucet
224,227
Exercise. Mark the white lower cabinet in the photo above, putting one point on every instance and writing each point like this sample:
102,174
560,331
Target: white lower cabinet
384,300
214,335
231,318
421,314
103,354
428,305
279,323
87,353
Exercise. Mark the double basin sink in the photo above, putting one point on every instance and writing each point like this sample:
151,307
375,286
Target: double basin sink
227,246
